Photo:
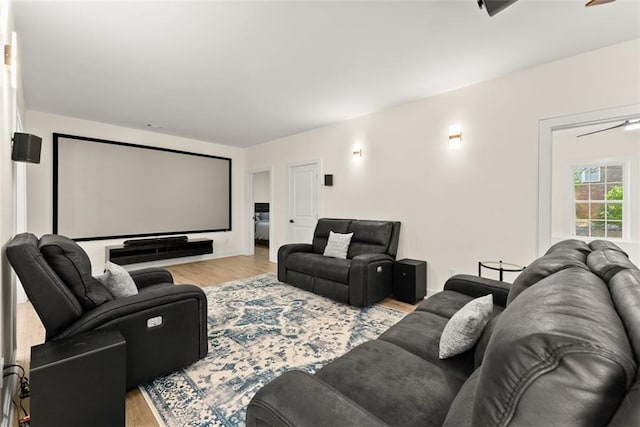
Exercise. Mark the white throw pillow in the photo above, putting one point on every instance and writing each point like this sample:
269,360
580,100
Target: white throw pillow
464,328
337,245
118,281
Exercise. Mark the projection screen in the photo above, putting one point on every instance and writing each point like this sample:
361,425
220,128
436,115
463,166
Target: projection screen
107,189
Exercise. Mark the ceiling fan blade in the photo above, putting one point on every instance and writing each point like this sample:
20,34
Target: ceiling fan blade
597,2
602,130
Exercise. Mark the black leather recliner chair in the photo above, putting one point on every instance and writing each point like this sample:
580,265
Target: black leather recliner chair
56,275
362,279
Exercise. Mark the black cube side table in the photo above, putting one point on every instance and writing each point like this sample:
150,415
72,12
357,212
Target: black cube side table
79,381
410,280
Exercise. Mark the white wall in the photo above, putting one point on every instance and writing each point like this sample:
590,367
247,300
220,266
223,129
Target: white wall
456,206
10,99
262,187
39,180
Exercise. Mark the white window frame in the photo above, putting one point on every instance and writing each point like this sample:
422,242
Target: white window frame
627,186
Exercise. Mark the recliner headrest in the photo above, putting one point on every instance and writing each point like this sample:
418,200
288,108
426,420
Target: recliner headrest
72,265
571,244
606,263
544,267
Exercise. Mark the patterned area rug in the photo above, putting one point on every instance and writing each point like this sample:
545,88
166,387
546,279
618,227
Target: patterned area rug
259,328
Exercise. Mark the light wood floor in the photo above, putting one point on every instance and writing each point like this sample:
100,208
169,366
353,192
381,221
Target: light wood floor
30,331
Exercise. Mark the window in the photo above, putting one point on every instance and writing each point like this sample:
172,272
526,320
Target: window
590,175
599,201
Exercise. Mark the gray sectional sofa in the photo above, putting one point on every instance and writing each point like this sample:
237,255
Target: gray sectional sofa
562,349
363,278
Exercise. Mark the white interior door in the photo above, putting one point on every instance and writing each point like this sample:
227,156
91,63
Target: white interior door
303,201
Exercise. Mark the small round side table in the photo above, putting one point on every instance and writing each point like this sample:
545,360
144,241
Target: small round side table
499,266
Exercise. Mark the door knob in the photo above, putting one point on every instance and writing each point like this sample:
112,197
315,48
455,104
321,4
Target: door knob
291,221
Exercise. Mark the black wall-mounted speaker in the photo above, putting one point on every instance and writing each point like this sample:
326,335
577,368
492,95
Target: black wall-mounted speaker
495,6
26,148
328,180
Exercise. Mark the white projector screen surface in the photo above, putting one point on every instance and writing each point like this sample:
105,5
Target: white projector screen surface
106,189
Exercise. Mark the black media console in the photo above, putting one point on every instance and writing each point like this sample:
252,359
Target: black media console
156,249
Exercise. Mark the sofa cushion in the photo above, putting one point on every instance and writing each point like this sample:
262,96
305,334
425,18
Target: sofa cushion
628,413
625,292
570,244
445,303
419,333
330,289
72,265
331,268
302,262
606,263
562,334
481,346
464,328
394,385
461,410
597,245
544,267
321,233
369,237
301,280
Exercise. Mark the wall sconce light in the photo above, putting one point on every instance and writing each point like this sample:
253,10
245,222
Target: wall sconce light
7,54
10,59
357,151
455,136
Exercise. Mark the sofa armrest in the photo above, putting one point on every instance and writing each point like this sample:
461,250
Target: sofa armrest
120,308
475,286
299,399
150,276
283,253
370,278
165,327
369,258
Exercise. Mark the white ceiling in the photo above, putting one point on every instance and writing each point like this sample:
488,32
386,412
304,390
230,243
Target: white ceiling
242,73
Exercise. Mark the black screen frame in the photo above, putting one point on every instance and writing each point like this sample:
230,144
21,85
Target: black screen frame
146,147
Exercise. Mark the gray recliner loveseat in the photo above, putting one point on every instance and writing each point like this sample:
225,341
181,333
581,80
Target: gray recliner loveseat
363,278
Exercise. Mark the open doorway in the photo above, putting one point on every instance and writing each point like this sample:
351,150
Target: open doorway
260,209
587,178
